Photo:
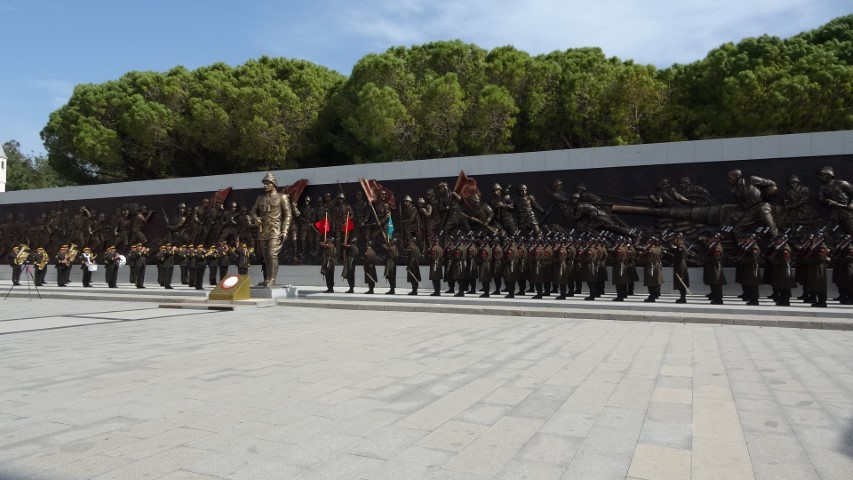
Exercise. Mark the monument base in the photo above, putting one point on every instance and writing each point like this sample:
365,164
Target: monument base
284,291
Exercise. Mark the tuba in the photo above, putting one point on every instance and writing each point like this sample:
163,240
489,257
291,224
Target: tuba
23,253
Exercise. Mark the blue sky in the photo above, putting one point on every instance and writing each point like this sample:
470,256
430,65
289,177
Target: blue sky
48,46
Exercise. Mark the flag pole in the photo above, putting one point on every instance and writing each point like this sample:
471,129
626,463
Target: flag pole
326,228
346,229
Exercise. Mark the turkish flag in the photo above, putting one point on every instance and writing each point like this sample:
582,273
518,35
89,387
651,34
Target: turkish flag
349,226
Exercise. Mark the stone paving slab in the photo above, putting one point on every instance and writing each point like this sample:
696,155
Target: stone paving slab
309,393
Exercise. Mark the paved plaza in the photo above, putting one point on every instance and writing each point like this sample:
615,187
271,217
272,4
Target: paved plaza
127,390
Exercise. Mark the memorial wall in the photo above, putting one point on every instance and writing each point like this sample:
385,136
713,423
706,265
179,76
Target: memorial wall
637,192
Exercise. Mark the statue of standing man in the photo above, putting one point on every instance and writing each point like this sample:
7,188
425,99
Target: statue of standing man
271,213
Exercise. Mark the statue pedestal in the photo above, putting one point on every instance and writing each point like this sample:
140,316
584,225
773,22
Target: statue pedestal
231,288
285,291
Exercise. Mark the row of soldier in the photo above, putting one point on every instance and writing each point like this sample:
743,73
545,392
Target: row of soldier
192,262
560,266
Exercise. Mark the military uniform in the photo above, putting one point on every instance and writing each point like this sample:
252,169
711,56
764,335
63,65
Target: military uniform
621,275
652,271
350,253
713,274
436,255
484,268
783,278
413,271
327,268
111,267
680,273
370,268
390,273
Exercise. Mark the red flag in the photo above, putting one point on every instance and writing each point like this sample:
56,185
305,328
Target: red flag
323,226
295,191
220,196
465,186
349,226
372,188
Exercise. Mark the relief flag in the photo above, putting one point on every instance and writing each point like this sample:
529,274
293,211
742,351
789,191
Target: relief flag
295,190
372,188
465,186
323,226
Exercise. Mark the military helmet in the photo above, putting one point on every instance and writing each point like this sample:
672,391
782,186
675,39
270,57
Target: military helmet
794,179
557,183
474,197
407,198
497,186
269,177
341,195
182,205
828,171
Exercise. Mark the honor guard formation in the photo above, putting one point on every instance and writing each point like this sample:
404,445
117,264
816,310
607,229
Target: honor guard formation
512,244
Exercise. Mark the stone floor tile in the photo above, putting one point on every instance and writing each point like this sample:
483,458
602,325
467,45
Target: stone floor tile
453,436
671,435
683,396
518,470
653,462
714,459
554,450
597,467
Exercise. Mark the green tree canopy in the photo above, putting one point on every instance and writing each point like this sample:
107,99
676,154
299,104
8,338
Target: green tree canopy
444,99
26,172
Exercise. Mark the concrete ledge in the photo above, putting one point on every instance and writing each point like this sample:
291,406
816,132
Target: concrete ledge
836,319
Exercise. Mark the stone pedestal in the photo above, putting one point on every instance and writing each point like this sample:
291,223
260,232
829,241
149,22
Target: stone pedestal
284,291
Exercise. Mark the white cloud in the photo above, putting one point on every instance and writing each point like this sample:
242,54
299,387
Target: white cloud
58,91
653,31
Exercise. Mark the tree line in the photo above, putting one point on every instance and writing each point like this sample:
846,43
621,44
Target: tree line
443,99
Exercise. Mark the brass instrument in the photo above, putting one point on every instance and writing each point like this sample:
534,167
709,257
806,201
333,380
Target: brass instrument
23,253
43,261
72,254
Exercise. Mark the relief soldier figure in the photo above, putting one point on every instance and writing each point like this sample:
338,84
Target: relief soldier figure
838,196
526,205
139,220
504,210
750,193
796,204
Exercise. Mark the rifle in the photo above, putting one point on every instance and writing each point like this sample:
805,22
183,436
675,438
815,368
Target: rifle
744,249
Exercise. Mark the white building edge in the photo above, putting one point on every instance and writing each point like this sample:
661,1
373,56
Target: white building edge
3,165
804,145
